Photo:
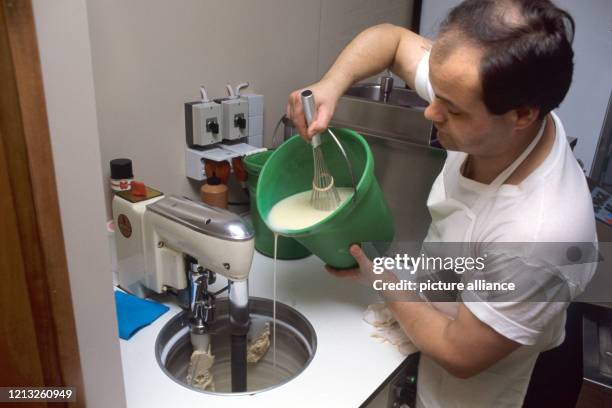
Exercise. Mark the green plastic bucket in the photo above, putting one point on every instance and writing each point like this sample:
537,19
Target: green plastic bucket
367,218
288,248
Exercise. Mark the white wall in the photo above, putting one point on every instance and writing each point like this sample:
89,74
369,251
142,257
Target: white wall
63,40
584,107
151,56
116,75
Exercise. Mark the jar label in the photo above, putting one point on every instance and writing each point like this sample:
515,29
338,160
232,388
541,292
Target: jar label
123,222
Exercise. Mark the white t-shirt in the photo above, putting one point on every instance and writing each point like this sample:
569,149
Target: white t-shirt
552,204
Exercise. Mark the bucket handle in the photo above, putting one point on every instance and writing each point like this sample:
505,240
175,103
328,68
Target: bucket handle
348,162
309,110
282,120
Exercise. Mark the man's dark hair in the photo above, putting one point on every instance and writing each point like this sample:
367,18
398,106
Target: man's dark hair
528,56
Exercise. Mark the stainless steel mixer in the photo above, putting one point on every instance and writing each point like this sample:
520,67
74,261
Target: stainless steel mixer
176,246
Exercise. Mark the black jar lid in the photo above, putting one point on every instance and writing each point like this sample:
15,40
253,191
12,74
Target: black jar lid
213,181
121,169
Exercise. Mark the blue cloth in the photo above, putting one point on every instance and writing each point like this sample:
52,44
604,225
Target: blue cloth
134,313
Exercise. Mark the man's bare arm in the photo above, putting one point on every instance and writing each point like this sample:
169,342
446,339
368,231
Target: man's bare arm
464,346
373,50
376,49
409,52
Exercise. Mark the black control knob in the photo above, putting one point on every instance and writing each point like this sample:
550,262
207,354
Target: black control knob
212,127
240,122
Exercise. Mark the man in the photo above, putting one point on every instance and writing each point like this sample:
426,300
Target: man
492,79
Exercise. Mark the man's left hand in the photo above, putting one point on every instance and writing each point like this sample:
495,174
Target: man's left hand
363,273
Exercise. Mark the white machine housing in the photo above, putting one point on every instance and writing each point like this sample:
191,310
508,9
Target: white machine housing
204,114
129,235
172,227
232,109
203,123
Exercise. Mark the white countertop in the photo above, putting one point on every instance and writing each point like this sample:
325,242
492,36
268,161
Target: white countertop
347,367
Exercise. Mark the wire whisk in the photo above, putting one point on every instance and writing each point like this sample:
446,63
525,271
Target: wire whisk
325,196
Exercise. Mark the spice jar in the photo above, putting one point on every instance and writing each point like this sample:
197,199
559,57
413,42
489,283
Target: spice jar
121,174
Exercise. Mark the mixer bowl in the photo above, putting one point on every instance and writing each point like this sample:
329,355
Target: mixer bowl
296,343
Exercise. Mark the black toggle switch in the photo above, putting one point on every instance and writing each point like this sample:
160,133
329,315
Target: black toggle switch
212,126
240,122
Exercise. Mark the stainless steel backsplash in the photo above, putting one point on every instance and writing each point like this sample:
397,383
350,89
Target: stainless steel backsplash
405,165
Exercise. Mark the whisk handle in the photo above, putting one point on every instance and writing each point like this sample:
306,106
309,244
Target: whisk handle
308,104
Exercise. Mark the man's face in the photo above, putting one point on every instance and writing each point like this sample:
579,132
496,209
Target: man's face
458,111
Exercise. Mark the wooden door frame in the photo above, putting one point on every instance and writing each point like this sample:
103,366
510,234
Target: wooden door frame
36,301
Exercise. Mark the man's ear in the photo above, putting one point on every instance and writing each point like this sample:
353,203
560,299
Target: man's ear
525,116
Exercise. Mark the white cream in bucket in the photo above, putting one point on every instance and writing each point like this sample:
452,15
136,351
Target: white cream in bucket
296,212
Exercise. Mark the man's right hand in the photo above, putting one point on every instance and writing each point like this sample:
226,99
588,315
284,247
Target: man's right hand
326,99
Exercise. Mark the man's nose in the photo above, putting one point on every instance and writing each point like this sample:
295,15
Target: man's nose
434,112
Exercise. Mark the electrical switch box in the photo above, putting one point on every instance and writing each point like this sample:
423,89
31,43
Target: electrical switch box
203,124
235,118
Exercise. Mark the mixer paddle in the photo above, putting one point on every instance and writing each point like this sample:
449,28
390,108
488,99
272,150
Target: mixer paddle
198,372
259,345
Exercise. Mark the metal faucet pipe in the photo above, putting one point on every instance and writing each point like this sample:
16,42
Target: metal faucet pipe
239,327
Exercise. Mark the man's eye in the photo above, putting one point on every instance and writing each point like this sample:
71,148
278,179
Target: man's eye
454,113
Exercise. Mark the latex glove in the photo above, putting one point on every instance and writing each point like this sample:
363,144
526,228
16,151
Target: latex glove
378,315
326,96
386,328
393,334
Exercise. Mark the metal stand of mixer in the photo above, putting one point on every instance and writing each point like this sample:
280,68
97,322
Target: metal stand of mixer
202,315
239,324
178,246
